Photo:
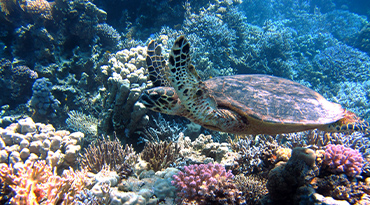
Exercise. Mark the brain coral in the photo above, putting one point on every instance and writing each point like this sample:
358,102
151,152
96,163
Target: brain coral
340,159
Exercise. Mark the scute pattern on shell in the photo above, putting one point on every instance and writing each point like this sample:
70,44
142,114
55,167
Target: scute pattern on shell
272,99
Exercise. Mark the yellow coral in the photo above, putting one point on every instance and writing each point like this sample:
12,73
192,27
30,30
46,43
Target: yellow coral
283,154
39,7
27,181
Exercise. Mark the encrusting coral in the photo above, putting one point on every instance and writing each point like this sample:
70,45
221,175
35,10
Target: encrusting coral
35,182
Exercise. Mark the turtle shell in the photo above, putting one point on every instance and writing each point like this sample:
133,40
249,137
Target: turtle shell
273,99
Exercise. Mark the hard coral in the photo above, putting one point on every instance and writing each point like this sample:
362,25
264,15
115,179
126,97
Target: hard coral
339,159
37,7
253,187
207,183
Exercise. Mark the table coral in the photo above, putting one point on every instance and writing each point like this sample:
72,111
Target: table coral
205,183
340,159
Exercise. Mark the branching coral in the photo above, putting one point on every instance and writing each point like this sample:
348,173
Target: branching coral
161,129
160,155
35,182
207,183
253,187
256,154
340,159
108,152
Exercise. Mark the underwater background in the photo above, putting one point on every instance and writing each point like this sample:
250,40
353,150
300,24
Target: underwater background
72,129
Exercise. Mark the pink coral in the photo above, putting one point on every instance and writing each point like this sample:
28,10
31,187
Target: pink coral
206,182
340,159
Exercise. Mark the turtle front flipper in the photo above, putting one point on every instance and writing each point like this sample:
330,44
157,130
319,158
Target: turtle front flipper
163,100
193,93
156,64
349,123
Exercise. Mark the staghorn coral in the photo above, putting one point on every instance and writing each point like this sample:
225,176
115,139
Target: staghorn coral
35,182
253,187
340,159
206,183
111,153
160,155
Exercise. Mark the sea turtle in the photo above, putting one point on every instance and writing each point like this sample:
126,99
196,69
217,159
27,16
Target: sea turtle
239,104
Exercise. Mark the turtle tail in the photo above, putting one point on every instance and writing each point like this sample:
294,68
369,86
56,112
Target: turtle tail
349,123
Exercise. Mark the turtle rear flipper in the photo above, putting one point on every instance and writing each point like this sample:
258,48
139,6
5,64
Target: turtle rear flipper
349,123
156,64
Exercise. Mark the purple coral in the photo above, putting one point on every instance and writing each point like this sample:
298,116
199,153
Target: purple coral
205,182
340,159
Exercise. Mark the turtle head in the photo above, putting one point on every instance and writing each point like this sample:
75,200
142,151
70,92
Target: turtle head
163,100
349,123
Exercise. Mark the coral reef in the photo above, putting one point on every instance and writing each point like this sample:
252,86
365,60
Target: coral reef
340,159
35,181
125,77
109,153
256,154
79,122
108,35
15,81
285,179
160,129
43,100
206,183
204,150
253,187
160,155
26,141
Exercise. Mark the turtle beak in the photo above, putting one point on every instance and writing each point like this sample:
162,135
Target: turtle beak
148,98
